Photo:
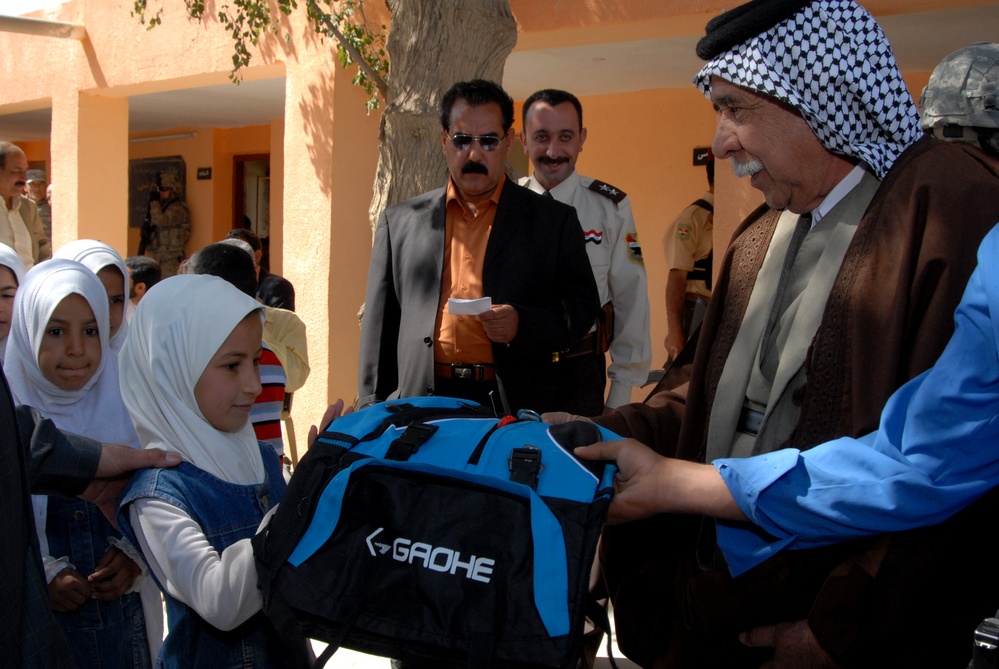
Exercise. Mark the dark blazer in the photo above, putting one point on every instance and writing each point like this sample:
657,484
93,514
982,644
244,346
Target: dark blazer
535,261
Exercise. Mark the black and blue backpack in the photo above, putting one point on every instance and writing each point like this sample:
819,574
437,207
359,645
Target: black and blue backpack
430,530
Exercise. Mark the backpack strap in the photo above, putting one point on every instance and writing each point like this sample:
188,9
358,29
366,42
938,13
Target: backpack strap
337,637
409,442
702,270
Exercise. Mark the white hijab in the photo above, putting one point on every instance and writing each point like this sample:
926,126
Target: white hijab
96,256
96,410
13,262
178,327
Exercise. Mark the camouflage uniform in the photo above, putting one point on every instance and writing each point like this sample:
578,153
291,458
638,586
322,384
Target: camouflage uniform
960,103
171,227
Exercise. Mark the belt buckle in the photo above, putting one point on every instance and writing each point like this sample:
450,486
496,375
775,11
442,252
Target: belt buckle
463,372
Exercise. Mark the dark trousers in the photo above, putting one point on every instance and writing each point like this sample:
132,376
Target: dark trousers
485,393
581,385
575,385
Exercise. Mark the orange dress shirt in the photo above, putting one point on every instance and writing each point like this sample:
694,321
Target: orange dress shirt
461,339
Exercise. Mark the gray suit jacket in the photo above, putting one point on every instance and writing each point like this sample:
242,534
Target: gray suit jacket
535,260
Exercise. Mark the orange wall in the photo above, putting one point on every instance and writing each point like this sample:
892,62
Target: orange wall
37,151
597,21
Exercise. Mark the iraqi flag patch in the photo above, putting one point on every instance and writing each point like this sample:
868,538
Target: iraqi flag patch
634,248
593,237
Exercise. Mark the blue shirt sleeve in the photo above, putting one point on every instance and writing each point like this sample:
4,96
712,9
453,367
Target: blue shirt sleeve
935,452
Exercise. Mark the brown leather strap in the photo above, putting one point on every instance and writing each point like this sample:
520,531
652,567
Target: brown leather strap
585,346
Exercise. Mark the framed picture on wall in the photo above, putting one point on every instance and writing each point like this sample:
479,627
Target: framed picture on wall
142,175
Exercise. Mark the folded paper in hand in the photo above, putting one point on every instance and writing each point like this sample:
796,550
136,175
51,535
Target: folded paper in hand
469,307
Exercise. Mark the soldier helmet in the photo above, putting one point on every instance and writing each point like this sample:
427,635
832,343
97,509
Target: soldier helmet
168,181
963,92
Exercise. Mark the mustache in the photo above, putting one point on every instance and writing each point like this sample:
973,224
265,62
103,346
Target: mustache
472,167
746,168
547,160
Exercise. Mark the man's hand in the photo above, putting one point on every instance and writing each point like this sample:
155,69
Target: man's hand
560,417
639,482
333,412
115,469
500,323
674,343
68,590
647,483
114,576
795,647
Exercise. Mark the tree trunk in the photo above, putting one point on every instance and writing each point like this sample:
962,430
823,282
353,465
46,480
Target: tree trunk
431,46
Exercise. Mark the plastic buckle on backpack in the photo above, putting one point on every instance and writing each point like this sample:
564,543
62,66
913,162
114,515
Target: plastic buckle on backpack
409,442
525,465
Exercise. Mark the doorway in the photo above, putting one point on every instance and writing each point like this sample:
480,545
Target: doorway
251,198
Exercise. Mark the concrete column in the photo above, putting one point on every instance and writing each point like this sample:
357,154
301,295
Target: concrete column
329,159
90,169
277,195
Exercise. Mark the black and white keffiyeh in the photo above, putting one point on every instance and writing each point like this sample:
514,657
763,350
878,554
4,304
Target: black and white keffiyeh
832,62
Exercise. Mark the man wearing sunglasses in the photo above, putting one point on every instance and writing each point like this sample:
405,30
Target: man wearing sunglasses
553,137
439,256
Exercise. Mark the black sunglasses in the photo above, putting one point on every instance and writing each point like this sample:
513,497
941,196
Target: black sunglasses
461,141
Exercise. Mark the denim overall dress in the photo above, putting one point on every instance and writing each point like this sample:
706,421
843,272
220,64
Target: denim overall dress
105,635
226,513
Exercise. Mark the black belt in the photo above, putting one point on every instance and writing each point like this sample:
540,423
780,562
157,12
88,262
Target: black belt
750,421
465,372
585,346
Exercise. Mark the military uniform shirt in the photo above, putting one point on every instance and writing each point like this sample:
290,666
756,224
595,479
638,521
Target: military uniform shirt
689,239
616,258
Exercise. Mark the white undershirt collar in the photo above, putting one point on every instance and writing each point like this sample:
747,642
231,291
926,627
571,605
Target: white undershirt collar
839,191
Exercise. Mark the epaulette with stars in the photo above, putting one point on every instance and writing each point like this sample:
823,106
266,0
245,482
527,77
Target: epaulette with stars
615,195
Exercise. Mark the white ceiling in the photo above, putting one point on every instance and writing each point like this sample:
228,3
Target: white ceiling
919,40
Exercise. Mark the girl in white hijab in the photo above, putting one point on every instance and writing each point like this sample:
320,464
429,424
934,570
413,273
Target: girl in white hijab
111,269
11,275
59,362
189,372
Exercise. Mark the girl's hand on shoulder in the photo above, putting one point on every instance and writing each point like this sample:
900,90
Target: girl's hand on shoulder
114,576
68,590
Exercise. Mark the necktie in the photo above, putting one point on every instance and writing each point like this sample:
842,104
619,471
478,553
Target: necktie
801,229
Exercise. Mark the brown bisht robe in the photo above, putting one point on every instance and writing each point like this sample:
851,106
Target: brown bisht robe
889,315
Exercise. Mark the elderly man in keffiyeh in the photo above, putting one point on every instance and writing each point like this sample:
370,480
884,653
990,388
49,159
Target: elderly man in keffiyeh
831,295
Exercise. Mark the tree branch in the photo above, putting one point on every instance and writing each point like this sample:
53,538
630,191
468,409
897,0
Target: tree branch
361,62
